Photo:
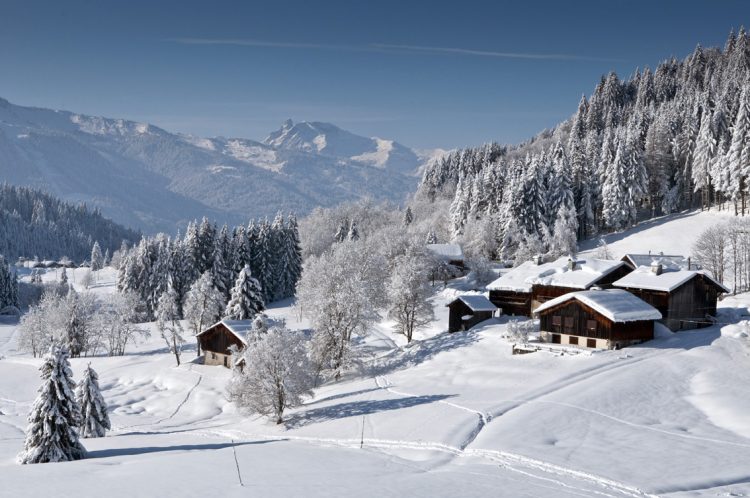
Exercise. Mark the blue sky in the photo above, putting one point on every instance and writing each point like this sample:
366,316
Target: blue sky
429,74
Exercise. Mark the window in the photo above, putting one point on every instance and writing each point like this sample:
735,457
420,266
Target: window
555,338
568,324
573,340
556,323
590,343
591,326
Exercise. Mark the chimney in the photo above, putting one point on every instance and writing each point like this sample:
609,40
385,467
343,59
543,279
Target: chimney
538,259
656,268
571,264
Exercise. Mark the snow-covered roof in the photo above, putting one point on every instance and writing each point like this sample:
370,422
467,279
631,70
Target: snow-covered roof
616,304
644,278
585,273
239,328
476,302
451,252
667,261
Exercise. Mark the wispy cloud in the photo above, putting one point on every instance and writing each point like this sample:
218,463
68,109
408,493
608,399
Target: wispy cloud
386,48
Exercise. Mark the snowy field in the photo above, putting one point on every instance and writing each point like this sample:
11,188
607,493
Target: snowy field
450,415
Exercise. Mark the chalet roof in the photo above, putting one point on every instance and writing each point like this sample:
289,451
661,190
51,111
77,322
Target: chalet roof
667,261
667,281
585,273
476,302
451,252
239,328
616,304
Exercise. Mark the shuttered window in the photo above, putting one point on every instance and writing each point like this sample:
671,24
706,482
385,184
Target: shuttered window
573,340
591,326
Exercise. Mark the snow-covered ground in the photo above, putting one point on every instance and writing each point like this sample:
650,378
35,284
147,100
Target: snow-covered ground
449,415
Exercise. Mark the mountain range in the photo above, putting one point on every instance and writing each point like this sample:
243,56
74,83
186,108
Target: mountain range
149,178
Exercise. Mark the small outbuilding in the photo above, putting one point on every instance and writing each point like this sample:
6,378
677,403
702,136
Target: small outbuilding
668,261
603,319
450,253
216,340
468,310
686,298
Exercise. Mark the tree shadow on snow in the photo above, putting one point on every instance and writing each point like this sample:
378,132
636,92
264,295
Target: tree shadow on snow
359,409
420,351
114,452
611,238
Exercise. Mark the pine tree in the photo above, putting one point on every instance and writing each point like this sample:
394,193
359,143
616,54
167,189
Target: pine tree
353,233
52,435
63,277
247,297
408,216
97,260
222,263
739,151
95,419
431,237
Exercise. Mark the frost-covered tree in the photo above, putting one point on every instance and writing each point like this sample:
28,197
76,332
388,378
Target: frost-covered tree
52,434
341,292
353,231
94,416
117,322
431,237
97,259
247,297
711,250
204,305
408,216
63,277
563,240
168,323
277,374
409,293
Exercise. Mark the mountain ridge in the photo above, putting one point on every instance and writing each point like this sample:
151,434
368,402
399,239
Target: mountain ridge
147,177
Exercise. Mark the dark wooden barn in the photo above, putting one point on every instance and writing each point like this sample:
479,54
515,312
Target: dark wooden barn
686,299
521,290
603,319
467,311
216,340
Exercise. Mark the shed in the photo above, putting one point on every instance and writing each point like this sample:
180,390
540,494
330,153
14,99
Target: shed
450,253
523,289
216,340
686,298
604,319
468,310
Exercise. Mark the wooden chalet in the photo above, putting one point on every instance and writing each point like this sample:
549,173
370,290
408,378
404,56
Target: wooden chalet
686,298
524,288
468,310
216,340
603,319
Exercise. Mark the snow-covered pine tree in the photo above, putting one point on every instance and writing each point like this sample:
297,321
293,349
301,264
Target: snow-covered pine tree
97,259
739,152
342,231
408,216
52,434
705,151
262,262
247,297
94,416
63,276
353,233
221,269
431,237
615,208
204,249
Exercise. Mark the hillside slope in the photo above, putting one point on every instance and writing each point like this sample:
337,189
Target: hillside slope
451,414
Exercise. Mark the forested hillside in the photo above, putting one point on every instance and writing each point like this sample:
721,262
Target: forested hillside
33,223
661,141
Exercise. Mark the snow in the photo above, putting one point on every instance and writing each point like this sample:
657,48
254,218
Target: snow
644,278
556,273
239,328
616,304
447,415
477,302
452,252
671,262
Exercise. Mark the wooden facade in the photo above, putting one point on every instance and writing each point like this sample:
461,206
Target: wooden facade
686,307
511,302
215,343
459,311
574,323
